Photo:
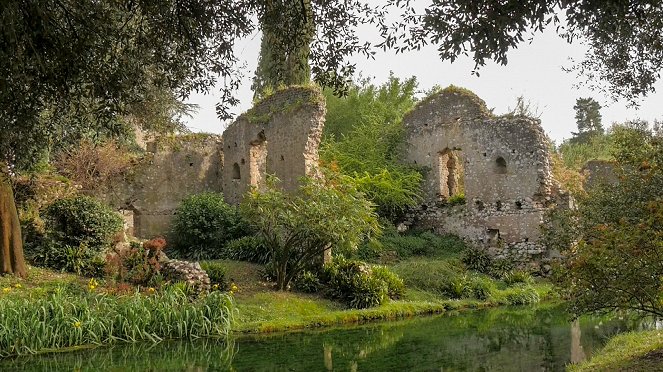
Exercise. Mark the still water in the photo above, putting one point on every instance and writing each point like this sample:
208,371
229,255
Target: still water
505,339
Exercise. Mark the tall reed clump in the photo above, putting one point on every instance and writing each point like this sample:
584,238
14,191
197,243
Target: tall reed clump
64,319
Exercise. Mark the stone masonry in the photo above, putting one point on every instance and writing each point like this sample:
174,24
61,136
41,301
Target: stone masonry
279,136
500,164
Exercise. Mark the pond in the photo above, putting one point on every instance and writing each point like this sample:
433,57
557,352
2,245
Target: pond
504,339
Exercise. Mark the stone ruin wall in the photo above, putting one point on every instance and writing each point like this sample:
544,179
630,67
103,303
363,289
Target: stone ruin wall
501,164
171,169
279,136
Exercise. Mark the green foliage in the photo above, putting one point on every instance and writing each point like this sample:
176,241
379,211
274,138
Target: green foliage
203,225
588,120
247,248
500,267
82,220
477,259
65,319
457,199
77,231
353,283
614,34
411,244
576,154
616,260
217,274
364,139
307,282
284,57
520,295
298,227
395,285
517,276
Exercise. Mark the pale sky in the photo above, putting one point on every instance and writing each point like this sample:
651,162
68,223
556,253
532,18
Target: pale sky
534,71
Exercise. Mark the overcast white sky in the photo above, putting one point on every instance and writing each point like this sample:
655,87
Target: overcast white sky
534,71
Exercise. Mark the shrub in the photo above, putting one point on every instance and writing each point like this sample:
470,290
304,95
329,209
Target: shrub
91,165
521,295
82,220
307,282
353,283
517,276
217,274
202,226
247,248
482,288
77,231
477,259
427,275
500,267
395,285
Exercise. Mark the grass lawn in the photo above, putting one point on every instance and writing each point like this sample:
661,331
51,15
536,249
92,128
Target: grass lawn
634,351
262,309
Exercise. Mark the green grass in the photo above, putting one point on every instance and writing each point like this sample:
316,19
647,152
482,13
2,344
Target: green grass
261,309
65,319
634,351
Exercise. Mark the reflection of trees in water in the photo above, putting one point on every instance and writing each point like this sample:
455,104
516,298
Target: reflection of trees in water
541,339
202,354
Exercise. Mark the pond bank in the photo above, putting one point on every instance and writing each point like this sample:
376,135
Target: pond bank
633,351
504,338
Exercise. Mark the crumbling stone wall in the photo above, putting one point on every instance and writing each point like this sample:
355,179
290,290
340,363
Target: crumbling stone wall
170,170
599,172
500,164
280,136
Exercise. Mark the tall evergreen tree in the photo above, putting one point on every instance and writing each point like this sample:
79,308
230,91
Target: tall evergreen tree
588,115
588,120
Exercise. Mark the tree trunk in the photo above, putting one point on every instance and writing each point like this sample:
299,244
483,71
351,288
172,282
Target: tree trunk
11,259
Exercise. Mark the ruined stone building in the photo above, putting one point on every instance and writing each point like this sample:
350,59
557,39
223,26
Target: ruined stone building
487,179
280,136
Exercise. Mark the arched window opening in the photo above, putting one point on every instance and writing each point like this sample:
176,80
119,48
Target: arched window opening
500,165
450,173
236,173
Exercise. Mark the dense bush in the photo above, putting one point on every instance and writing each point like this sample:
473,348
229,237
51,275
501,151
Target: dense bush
64,319
247,248
500,267
307,282
300,226
360,285
77,231
217,273
444,278
614,236
82,220
395,285
203,225
477,259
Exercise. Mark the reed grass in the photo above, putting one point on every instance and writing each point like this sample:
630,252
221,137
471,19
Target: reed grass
64,319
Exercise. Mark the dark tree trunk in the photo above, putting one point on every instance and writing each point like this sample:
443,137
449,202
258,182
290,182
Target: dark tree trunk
11,259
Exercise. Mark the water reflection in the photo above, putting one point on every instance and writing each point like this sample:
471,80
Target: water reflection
520,339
